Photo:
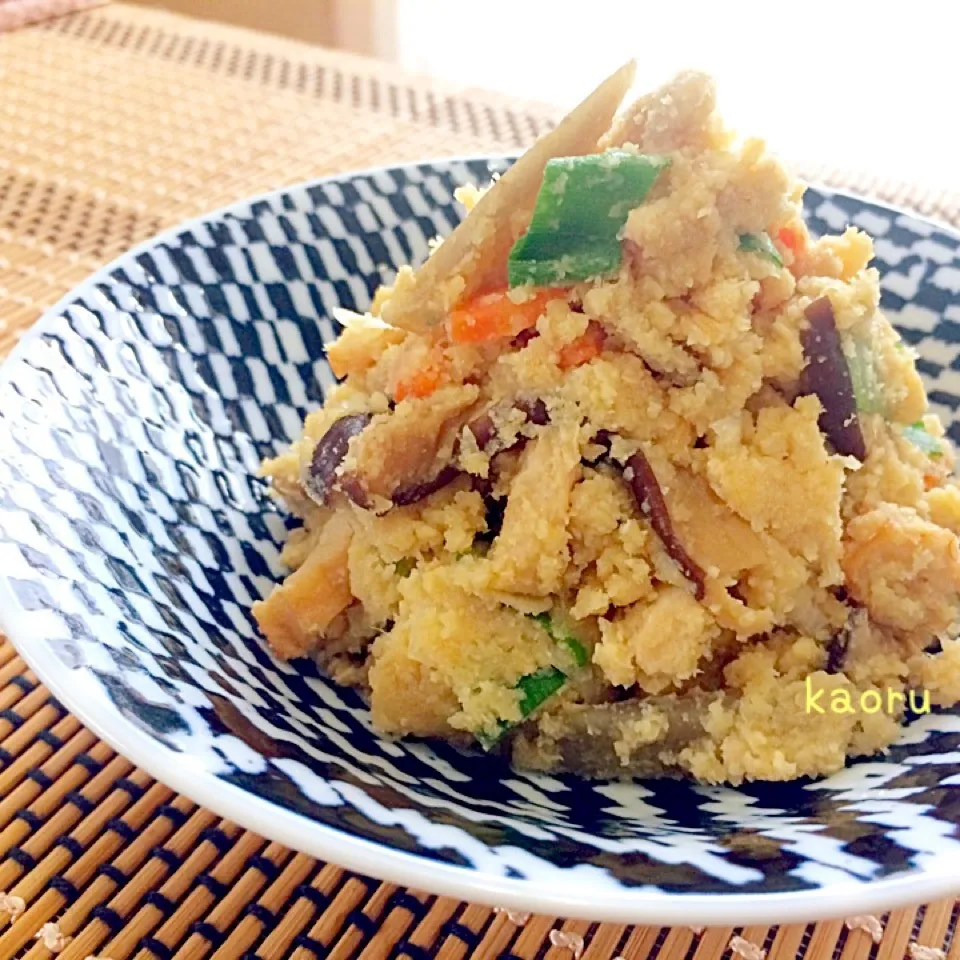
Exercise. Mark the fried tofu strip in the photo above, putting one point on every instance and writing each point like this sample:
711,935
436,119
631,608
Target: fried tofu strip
298,611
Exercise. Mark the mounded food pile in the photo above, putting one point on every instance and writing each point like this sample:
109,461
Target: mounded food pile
632,476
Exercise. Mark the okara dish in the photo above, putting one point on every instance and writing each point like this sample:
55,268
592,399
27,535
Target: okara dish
632,477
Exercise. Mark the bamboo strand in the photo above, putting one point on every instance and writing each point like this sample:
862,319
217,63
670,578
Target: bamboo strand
245,934
390,930
350,937
156,833
61,821
227,910
27,709
15,792
603,943
33,724
12,664
896,936
275,946
196,858
427,931
823,942
531,936
200,899
474,918
51,901
786,944
936,923
57,857
331,920
51,800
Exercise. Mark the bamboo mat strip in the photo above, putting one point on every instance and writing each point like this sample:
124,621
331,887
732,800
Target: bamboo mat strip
92,160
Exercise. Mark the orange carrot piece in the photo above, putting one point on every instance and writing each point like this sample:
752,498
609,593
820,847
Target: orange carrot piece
793,239
420,384
582,350
495,315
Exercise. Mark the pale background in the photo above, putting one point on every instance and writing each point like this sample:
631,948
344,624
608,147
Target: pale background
868,86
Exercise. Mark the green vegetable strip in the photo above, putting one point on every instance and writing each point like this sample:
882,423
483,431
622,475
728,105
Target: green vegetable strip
867,385
535,688
579,213
576,648
762,244
917,434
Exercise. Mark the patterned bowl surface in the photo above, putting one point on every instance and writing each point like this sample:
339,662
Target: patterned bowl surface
134,536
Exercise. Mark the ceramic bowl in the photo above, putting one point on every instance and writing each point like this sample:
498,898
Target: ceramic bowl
134,536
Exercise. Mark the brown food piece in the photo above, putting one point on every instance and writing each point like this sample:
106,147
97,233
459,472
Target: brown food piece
414,493
649,497
474,257
839,645
536,410
295,615
583,738
484,429
530,553
407,448
321,476
675,116
827,376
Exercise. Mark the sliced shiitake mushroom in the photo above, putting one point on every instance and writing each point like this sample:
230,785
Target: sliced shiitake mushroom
827,376
320,478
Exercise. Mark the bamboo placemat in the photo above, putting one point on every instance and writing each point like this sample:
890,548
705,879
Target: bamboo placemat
113,125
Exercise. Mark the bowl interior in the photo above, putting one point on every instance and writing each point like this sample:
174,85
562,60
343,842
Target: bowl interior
135,535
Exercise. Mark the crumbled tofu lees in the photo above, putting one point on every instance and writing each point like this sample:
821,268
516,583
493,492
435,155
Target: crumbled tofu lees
565,940
12,905
869,924
745,949
917,951
518,918
618,526
52,938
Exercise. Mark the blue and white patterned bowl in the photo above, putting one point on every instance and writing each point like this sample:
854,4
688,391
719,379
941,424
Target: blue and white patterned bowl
134,536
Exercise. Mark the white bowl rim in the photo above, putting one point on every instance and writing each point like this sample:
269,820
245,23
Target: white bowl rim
570,899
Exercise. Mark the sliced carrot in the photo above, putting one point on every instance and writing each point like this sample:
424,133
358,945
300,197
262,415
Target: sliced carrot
495,315
421,383
793,239
582,350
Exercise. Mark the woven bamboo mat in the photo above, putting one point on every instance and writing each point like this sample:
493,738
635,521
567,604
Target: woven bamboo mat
113,125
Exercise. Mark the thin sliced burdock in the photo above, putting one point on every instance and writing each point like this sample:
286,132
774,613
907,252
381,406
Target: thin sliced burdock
640,738
473,258
298,611
827,375
649,497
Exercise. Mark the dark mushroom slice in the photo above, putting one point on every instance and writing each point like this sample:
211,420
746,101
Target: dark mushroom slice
535,409
321,478
484,429
649,498
827,376
416,492
583,738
